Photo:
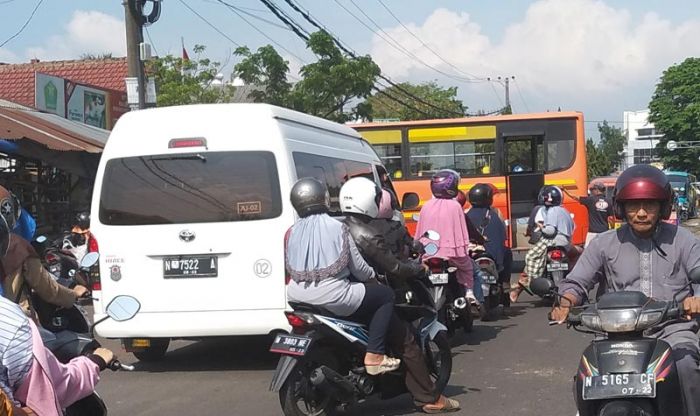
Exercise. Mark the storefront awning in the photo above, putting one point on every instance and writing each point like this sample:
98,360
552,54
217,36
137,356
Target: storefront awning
56,133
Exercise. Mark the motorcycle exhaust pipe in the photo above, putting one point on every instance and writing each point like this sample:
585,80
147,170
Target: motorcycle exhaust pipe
460,303
332,383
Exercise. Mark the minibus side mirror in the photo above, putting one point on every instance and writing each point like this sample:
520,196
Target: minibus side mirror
410,200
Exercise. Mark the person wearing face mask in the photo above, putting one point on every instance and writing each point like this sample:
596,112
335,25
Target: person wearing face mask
21,270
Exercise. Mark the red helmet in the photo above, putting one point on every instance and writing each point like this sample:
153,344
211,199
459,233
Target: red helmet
643,182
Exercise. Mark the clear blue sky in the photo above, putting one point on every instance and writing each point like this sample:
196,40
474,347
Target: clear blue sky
600,57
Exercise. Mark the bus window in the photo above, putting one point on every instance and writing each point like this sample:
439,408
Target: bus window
524,154
469,158
560,153
390,154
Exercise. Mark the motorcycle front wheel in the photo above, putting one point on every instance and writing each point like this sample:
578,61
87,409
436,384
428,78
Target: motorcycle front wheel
438,357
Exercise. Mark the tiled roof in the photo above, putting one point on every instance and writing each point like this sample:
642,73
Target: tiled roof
17,81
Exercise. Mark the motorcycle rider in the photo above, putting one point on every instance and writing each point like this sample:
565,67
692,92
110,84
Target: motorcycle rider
444,215
646,255
358,199
321,258
22,269
551,214
82,238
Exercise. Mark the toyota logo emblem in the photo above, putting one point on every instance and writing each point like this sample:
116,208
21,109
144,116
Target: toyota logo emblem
187,235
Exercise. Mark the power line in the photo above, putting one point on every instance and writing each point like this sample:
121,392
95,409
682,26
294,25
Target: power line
340,45
425,44
6,1
24,25
257,29
517,87
396,45
151,40
254,16
210,24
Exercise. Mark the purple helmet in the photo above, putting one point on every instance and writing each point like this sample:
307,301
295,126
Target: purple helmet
444,184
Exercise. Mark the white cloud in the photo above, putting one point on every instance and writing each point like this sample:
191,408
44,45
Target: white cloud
87,32
570,52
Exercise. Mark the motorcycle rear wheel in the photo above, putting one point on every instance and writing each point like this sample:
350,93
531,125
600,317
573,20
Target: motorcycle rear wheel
294,395
438,357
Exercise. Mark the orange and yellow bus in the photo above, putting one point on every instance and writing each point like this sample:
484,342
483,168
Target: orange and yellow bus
518,154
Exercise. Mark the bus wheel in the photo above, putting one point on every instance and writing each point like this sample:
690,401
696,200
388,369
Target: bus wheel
156,352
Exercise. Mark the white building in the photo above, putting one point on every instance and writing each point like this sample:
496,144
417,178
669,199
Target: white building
642,138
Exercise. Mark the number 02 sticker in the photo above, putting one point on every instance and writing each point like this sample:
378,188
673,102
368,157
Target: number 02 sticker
262,268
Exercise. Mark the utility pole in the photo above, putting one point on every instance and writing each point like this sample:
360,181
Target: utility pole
505,81
134,38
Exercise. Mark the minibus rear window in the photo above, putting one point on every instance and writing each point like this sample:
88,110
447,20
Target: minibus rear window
190,188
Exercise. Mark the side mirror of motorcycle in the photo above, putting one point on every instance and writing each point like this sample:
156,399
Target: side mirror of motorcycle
432,235
541,287
415,217
695,276
431,249
410,200
123,307
89,260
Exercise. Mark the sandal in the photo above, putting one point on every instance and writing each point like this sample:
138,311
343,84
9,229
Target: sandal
449,406
387,365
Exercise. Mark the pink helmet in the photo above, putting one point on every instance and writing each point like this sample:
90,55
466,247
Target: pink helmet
386,211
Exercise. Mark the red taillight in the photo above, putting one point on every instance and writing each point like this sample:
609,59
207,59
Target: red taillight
556,255
51,258
435,264
178,143
295,321
96,286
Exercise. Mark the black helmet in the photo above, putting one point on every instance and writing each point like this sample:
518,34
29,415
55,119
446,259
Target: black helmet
643,182
4,236
82,220
309,196
550,196
481,195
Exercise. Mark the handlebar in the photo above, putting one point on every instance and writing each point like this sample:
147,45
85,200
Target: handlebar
117,365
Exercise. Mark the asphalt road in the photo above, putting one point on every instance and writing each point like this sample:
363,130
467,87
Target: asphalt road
517,365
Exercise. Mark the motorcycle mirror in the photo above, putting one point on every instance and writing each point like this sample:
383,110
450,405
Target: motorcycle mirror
695,276
541,286
89,260
41,239
123,307
415,217
410,200
431,249
432,235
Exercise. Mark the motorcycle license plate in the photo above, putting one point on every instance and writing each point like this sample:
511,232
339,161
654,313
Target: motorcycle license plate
553,267
610,386
439,278
190,266
290,344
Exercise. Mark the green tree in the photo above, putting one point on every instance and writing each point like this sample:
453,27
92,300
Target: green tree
180,82
444,102
604,157
675,111
333,87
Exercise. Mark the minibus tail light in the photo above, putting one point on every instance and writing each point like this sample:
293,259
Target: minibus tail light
180,143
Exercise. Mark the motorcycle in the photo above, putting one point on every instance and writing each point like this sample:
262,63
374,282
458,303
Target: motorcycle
55,318
622,372
556,261
493,289
67,345
61,262
321,367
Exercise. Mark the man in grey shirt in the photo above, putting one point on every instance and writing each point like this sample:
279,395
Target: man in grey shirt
649,256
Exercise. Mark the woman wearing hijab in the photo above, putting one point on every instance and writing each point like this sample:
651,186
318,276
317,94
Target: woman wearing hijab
321,257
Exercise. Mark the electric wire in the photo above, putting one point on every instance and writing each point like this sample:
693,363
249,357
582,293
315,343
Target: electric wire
31,16
210,24
254,16
148,34
257,29
517,87
351,53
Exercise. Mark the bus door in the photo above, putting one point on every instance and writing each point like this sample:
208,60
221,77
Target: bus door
524,170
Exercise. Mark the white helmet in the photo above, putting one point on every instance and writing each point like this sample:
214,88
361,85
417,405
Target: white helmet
361,196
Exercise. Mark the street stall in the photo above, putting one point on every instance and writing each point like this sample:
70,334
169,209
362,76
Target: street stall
49,162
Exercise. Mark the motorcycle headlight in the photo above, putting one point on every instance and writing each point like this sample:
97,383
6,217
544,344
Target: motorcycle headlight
649,319
618,320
